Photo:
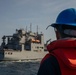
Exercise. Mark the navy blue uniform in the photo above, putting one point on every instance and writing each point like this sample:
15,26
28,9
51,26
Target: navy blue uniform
49,67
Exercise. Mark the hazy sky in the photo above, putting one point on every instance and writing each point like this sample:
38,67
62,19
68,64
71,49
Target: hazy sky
16,14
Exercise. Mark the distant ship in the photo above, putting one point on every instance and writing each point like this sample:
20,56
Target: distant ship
23,45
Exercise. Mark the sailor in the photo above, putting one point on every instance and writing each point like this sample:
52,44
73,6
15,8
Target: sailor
61,59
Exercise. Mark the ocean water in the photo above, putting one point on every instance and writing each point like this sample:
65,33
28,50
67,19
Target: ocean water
19,68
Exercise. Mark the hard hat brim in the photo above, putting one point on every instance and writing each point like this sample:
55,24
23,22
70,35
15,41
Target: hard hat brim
69,24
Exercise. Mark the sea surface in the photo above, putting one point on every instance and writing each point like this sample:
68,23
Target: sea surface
19,68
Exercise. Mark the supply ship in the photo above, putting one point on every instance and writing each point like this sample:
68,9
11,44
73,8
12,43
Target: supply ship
22,45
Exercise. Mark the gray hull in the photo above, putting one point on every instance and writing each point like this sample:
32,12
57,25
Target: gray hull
23,55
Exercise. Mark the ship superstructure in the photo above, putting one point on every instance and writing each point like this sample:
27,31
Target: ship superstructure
23,45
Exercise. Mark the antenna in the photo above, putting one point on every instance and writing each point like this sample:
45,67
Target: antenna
30,27
26,28
37,29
